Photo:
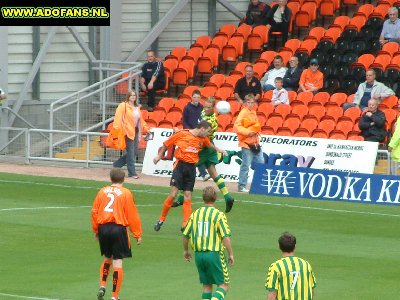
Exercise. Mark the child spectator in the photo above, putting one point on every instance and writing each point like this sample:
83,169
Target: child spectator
279,94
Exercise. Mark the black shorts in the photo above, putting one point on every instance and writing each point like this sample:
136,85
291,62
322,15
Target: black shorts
114,241
183,176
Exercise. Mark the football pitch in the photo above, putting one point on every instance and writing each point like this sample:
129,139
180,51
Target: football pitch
49,252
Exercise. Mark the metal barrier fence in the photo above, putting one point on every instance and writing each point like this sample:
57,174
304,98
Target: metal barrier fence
81,148
91,108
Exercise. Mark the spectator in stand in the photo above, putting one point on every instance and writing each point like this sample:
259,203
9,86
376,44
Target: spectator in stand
191,118
278,19
370,89
311,79
372,123
292,75
152,79
391,27
268,80
248,128
248,85
279,95
256,13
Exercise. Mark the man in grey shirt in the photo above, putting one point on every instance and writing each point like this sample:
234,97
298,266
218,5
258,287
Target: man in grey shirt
391,27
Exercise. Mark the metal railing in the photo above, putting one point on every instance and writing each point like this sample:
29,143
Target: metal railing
91,108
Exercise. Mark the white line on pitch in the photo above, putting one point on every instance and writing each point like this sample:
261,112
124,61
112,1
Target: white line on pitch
27,297
161,193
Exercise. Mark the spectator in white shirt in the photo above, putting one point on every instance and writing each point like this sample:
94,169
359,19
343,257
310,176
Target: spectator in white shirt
268,80
279,94
391,27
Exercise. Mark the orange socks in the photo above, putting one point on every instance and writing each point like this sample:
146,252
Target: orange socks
104,270
187,211
117,281
167,206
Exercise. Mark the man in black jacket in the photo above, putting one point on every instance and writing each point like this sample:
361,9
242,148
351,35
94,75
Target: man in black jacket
279,18
292,75
152,79
372,123
256,13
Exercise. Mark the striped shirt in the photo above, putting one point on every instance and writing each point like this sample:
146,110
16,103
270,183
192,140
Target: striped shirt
292,278
213,120
206,229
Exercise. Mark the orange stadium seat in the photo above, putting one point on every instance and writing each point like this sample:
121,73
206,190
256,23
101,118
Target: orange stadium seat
244,31
224,93
365,10
316,33
266,108
352,113
292,123
231,80
208,62
174,117
301,132
208,91
326,9
282,110
344,126
309,125
193,54
239,69
259,69
327,125
268,56
316,112
216,80
166,104
218,42
178,53
202,41
226,30
299,111
334,112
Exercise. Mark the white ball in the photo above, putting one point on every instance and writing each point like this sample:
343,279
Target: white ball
223,107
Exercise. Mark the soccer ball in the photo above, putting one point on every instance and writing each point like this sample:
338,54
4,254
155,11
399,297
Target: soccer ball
223,107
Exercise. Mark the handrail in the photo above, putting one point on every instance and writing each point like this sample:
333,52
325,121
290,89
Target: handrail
98,88
22,119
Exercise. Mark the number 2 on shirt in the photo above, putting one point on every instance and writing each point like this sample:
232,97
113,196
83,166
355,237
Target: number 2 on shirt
109,207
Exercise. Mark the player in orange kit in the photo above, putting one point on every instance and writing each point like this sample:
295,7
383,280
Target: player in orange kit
188,143
113,211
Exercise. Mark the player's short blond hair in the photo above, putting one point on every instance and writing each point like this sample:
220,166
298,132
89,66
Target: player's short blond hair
209,194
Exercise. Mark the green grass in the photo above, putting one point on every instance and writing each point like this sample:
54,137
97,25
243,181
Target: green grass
49,251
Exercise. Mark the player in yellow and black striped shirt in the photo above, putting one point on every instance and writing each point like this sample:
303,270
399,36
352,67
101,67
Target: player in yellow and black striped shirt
209,235
291,277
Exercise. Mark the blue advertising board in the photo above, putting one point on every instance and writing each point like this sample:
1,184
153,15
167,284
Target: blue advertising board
325,185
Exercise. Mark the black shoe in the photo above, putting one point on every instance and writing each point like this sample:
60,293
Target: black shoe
176,204
101,293
182,228
158,225
229,204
